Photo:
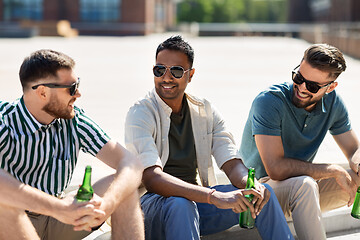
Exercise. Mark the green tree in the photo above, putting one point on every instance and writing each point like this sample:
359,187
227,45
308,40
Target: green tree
232,11
267,11
195,11
228,11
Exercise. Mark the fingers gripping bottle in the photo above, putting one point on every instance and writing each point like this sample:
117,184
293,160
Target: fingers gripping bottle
246,220
355,212
85,192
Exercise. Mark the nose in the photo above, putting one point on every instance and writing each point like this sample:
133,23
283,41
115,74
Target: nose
168,76
302,87
77,93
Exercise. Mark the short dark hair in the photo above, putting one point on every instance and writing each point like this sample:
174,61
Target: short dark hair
177,43
325,58
41,64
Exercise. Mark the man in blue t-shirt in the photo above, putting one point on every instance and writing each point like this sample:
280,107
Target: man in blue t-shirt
284,130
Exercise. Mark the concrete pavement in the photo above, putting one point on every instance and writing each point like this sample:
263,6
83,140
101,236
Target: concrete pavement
230,72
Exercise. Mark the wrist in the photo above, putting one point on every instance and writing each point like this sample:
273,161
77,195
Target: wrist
336,171
209,195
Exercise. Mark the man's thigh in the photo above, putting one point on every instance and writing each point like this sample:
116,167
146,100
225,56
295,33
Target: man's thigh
289,191
213,219
49,228
169,217
332,196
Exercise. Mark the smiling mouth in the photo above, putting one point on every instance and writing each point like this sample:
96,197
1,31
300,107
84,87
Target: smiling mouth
167,87
301,95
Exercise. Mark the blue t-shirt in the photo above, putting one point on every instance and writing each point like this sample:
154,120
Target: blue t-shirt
273,113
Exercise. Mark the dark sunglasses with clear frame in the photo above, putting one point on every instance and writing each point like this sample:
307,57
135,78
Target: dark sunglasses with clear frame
176,71
72,87
310,86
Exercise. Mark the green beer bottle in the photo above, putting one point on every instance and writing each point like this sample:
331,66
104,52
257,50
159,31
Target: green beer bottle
85,192
246,220
355,212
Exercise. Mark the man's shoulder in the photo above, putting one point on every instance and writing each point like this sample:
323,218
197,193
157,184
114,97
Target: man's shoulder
197,100
276,93
147,102
144,107
7,108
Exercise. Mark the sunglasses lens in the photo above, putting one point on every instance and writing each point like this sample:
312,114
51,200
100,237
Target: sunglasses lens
297,79
312,87
177,71
74,88
159,70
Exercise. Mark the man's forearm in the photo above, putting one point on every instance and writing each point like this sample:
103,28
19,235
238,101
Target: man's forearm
237,172
156,181
19,195
288,167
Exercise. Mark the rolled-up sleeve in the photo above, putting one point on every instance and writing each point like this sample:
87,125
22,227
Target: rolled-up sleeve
140,131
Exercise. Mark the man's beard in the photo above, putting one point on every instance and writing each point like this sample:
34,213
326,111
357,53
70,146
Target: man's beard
303,104
58,110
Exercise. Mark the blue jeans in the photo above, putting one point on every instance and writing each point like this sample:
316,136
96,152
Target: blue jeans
178,218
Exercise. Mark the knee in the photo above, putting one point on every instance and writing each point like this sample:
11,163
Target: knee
272,193
308,184
10,214
5,209
305,188
181,207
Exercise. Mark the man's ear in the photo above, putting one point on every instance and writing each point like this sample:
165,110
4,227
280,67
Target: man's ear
192,71
41,92
332,87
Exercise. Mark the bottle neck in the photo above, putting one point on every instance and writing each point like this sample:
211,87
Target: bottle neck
251,178
87,178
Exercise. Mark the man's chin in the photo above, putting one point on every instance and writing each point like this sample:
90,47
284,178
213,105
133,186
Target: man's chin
297,103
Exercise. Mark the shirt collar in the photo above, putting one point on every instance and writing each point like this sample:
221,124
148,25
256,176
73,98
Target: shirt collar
168,109
161,102
33,124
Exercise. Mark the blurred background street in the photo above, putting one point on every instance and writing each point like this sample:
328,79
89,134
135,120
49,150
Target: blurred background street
229,71
241,48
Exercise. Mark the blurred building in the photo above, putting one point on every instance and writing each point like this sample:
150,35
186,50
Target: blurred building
336,22
310,11
91,17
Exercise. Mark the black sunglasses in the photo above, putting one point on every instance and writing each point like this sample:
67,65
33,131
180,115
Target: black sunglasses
72,88
311,86
176,71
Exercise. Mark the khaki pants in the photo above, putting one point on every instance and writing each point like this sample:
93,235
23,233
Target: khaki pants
303,199
49,228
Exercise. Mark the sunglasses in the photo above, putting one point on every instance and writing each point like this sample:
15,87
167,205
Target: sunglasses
176,71
310,86
72,88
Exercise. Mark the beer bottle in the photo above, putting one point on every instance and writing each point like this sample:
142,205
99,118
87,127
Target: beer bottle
85,192
355,212
246,220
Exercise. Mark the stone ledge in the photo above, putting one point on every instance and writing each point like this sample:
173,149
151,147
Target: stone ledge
335,221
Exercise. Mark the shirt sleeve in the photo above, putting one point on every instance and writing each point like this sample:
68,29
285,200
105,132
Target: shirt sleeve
92,137
223,144
140,134
265,115
342,122
4,135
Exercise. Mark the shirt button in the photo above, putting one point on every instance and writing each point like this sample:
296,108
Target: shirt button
305,125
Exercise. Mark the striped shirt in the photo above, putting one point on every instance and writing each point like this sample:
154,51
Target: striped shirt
44,156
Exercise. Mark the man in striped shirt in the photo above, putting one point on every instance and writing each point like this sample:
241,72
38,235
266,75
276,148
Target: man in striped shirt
41,135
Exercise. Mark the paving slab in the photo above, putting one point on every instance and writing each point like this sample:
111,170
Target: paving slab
230,72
